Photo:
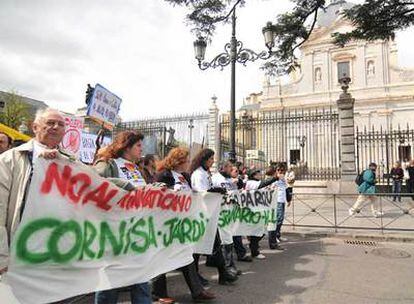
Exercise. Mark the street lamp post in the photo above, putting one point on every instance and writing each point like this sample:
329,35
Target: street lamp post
234,52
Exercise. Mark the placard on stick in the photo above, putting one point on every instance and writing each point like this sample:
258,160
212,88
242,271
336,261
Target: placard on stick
104,107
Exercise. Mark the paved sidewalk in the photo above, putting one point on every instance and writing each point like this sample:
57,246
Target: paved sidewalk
315,270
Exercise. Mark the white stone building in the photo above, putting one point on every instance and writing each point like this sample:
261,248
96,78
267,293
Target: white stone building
286,121
383,91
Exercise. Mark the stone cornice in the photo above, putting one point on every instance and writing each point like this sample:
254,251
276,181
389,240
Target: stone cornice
353,91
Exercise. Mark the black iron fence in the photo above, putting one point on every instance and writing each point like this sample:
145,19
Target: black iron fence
305,138
309,140
156,136
163,133
384,147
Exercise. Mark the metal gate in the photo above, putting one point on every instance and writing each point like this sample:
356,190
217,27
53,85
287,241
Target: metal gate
384,147
305,138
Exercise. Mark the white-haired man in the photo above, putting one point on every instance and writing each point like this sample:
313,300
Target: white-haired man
16,168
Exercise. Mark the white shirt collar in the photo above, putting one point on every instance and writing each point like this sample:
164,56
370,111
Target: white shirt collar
38,148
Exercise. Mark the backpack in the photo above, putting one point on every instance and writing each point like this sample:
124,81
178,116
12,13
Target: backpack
360,178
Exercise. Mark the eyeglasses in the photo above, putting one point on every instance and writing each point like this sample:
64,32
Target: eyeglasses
52,123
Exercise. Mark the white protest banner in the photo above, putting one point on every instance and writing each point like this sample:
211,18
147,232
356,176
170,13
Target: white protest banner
212,209
80,233
247,212
104,106
88,147
71,141
6,295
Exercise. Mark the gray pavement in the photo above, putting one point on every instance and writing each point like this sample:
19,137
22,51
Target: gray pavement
315,270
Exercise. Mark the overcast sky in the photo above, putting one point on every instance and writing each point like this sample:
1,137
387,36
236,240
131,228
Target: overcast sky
139,49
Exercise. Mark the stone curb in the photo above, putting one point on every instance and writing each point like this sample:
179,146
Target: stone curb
353,235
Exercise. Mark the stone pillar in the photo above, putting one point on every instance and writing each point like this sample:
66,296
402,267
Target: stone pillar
214,131
347,132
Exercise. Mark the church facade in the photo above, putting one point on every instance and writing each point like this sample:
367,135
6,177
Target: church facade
297,121
383,91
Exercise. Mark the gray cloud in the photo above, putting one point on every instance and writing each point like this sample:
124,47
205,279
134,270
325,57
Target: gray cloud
139,49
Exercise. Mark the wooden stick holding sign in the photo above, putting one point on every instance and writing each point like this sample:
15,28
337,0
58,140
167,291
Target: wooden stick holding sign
99,141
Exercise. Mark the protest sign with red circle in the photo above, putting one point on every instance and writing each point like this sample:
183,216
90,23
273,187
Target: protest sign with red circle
72,138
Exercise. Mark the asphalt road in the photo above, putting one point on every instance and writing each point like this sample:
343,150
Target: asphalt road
318,270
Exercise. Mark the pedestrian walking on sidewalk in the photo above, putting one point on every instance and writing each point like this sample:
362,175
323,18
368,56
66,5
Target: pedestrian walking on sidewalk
410,180
397,174
367,192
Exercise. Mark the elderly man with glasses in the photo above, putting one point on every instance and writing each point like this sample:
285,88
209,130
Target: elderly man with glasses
16,169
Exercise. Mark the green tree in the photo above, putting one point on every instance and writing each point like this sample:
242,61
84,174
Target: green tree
15,111
373,19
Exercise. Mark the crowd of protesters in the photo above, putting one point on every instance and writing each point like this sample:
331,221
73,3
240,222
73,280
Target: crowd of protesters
122,163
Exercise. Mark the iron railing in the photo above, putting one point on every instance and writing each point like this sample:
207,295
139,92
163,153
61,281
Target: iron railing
164,132
306,138
384,147
309,139
331,211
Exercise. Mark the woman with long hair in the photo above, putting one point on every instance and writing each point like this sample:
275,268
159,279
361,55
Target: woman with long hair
201,181
149,169
172,172
117,162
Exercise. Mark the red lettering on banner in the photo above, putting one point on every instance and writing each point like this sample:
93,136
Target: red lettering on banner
77,187
53,175
81,177
100,196
151,197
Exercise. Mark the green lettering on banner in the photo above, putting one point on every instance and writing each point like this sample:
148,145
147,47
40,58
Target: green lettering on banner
22,252
256,217
107,234
142,234
71,240
53,243
89,236
184,230
245,215
170,223
187,228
